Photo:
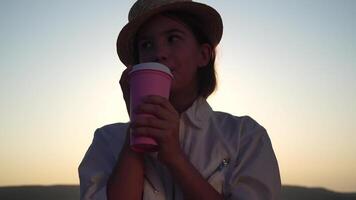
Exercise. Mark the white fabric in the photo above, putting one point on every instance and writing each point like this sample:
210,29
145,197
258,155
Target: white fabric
233,153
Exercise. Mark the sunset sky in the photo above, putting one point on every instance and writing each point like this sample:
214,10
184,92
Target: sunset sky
290,65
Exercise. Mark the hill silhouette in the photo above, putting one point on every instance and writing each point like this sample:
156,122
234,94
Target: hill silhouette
56,192
303,193
71,192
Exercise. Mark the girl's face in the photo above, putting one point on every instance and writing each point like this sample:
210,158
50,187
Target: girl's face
172,43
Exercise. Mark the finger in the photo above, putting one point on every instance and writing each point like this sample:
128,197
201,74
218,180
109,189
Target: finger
125,87
124,83
124,77
162,101
152,122
156,134
156,110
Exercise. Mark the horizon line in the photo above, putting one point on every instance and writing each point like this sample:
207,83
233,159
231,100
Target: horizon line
77,185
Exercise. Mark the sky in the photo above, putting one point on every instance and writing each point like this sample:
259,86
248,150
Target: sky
290,65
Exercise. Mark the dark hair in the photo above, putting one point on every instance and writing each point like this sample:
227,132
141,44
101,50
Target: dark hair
206,75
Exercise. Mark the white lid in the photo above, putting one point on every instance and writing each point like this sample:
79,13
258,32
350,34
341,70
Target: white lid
152,66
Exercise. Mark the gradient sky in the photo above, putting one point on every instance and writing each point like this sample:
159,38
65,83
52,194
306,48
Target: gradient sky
291,65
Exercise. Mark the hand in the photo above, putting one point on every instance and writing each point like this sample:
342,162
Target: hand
163,127
125,87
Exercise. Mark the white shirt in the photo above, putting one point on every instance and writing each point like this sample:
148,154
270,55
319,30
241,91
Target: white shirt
234,154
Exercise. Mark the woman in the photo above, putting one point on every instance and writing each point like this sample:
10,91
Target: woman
202,154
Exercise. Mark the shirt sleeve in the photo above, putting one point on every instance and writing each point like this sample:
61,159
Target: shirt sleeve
96,167
255,175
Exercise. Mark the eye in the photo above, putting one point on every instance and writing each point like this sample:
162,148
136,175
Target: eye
146,44
173,38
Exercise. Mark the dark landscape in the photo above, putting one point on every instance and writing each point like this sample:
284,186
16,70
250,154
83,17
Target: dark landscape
71,192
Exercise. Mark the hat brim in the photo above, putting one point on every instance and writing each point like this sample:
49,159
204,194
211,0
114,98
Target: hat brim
210,18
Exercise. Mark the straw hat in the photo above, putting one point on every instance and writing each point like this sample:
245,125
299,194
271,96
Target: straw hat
144,9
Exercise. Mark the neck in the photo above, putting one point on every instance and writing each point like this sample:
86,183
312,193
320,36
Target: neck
183,100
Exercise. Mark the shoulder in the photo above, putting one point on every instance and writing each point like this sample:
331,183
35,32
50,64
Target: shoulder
112,131
238,129
110,137
252,158
244,125
107,143
99,160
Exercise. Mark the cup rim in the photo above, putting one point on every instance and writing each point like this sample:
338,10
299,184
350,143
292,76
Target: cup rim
151,66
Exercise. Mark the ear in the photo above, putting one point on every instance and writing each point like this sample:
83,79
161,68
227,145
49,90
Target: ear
205,54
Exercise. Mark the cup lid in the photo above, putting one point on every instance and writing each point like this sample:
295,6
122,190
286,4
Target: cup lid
151,66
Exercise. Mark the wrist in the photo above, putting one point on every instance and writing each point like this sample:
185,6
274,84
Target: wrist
179,161
128,153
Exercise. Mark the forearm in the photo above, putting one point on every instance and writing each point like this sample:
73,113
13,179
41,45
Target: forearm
126,180
193,185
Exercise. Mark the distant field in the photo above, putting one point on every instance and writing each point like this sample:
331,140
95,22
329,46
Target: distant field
60,192
303,193
71,192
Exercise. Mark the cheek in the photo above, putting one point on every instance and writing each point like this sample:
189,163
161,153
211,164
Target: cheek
144,57
188,54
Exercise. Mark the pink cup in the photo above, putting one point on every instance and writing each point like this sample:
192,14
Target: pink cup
147,79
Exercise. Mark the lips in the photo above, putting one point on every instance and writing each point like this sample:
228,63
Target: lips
167,65
173,72
171,68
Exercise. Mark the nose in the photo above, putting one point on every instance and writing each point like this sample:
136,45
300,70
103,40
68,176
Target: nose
161,53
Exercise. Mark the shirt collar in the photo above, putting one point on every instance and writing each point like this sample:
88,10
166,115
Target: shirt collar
199,113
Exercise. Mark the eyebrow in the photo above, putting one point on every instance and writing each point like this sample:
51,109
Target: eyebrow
169,31
173,31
